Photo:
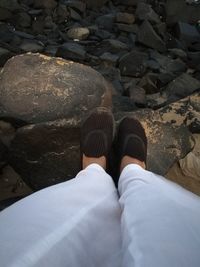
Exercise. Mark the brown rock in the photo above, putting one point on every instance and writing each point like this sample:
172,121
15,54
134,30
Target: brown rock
125,18
36,88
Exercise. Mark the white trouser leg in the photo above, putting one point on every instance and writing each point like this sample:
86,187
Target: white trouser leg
72,224
160,221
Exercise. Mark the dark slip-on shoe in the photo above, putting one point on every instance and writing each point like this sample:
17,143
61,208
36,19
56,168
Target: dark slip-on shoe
97,133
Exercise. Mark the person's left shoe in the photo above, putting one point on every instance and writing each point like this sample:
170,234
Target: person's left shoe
97,134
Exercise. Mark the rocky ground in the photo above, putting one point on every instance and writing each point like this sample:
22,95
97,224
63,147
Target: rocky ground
140,57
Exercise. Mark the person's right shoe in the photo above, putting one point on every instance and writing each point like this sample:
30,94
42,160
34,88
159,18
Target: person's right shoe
131,140
97,134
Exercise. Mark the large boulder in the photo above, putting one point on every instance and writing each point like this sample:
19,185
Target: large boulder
46,153
166,142
36,88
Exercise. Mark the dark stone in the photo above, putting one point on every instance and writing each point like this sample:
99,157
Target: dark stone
127,28
77,5
48,4
133,38
36,88
4,56
95,4
108,46
179,10
38,25
75,15
51,50
5,14
161,29
123,104
128,2
145,12
22,19
31,46
187,33
149,83
126,18
109,73
165,78
138,95
24,35
176,67
115,45
194,46
71,51
41,164
182,86
133,63
3,151
194,59
7,133
110,58
167,64
175,52
49,24
10,5
35,12
147,36
106,22
153,65
6,33
166,143
155,101
102,34
60,14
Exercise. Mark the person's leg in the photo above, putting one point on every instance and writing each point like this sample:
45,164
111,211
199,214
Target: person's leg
160,220
76,223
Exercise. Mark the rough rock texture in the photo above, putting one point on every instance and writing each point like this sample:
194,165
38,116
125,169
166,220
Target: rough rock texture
166,143
58,158
179,10
43,163
186,171
183,112
145,12
133,63
36,88
182,86
147,36
190,165
149,51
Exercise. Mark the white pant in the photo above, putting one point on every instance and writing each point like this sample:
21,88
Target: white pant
83,222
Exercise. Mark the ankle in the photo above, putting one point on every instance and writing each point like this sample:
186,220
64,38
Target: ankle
126,160
89,160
